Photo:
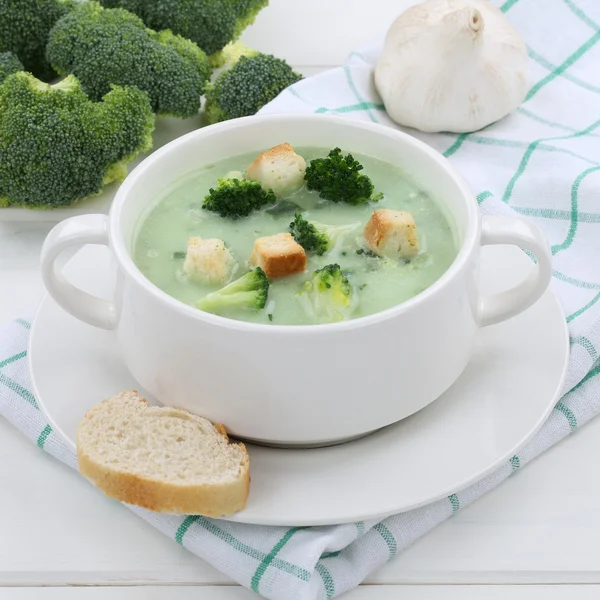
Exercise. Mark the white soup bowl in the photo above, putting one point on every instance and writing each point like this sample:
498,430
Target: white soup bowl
296,385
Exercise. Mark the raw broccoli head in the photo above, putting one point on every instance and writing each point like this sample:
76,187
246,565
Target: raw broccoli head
248,292
112,46
317,237
327,296
24,28
211,24
338,178
243,89
236,198
9,64
56,146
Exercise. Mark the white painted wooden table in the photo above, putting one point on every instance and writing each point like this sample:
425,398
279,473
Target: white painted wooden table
523,541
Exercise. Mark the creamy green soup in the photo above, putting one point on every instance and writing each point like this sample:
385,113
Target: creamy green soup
377,284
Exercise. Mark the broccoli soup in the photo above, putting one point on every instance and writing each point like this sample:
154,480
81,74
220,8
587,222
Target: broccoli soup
294,237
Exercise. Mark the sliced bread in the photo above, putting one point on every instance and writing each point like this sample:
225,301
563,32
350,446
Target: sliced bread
163,459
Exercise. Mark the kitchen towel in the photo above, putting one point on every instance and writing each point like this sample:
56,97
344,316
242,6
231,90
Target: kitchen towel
542,163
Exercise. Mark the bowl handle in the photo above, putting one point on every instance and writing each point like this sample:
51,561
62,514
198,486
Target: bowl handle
509,230
76,231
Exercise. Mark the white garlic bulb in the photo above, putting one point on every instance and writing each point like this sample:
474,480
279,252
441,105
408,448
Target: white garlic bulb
452,65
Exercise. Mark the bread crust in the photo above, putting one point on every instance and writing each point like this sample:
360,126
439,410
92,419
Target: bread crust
211,500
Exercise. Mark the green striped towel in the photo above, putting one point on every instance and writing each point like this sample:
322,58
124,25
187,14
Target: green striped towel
543,163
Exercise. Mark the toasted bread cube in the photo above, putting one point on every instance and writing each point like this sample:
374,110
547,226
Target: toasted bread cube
208,261
392,233
278,255
279,169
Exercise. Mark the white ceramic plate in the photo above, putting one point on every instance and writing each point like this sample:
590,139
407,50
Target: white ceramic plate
500,401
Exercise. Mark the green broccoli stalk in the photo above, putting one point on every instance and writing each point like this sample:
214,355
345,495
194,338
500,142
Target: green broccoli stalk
103,47
235,198
211,24
227,57
56,146
24,29
9,64
338,178
327,296
249,292
249,81
317,237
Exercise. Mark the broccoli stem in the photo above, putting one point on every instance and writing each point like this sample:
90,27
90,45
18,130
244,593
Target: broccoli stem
218,301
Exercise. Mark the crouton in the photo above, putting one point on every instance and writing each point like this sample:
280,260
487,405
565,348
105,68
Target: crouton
279,169
208,261
392,233
278,255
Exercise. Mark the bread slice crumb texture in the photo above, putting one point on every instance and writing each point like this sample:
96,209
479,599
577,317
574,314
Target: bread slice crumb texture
161,458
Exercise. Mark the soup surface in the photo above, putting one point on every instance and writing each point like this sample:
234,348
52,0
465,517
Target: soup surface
376,284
